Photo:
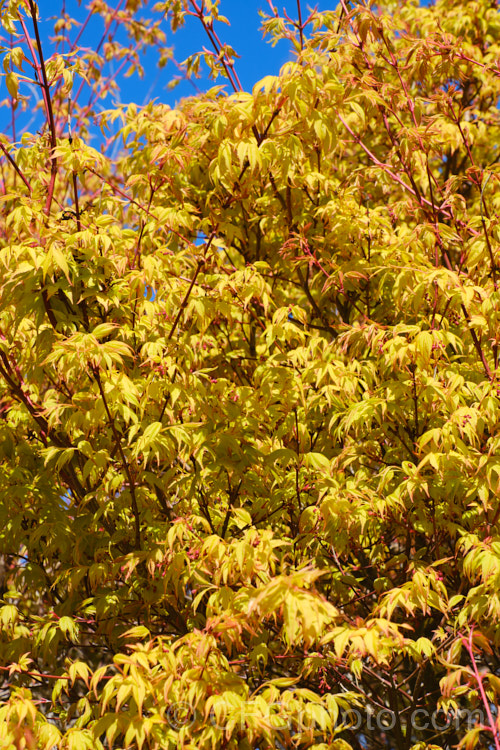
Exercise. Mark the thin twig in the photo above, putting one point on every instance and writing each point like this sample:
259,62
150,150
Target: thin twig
184,302
301,27
42,74
468,643
12,161
388,171
126,467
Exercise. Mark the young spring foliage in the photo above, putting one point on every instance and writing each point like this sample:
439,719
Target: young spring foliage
250,389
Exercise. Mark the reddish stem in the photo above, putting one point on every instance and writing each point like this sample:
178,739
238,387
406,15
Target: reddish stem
217,45
388,171
11,160
42,76
468,643
301,25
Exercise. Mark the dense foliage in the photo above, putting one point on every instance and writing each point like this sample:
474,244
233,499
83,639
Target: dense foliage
250,392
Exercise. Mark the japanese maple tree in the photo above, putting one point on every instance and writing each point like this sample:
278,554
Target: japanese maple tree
249,383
